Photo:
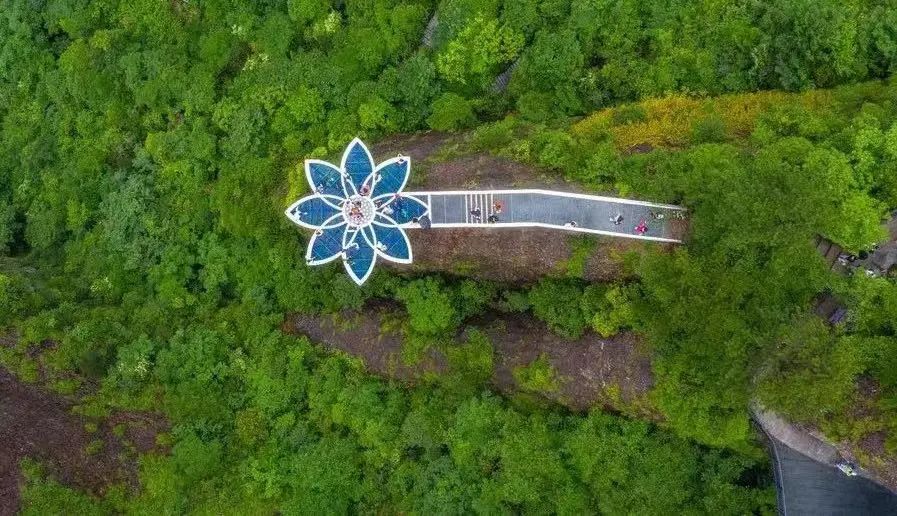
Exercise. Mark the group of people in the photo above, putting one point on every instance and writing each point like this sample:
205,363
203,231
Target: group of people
641,228
617,220
492,218
298,215
365,188
356,214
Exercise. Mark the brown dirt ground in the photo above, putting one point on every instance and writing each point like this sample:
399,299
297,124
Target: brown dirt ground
528,254
38,424
366,335
419,146
612,373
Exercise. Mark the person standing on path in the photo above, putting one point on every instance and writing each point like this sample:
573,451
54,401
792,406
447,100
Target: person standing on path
642,227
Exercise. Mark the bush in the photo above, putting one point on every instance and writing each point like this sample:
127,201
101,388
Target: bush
710,129
451,112
812,373
557,303
430,305
609,310
538,376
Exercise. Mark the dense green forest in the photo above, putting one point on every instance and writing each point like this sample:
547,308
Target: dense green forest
148,148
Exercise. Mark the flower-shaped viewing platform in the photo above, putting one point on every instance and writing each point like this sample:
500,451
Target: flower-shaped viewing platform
359,211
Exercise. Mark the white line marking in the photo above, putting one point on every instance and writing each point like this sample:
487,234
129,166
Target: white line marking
549,226
775,451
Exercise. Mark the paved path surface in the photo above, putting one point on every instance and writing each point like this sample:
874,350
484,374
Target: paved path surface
807,480
808,487
546,208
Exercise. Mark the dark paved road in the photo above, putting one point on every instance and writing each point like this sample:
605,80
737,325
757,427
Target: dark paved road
807,487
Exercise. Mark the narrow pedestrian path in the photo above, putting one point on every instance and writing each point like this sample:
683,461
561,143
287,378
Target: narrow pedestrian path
550,209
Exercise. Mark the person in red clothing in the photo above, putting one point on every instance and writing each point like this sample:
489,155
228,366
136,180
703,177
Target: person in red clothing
642,227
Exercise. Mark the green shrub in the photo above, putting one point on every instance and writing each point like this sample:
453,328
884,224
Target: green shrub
628,114
430,305
557,303
710,129
537,376
450,112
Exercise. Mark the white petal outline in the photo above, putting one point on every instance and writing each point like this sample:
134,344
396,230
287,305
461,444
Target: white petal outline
314,237
324,198
408,224
347,184
372,238
377,171
393,225
384,196
355,141
338,220
311,183
346,243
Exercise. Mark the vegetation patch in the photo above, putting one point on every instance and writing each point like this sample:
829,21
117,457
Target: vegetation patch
538,376
147,151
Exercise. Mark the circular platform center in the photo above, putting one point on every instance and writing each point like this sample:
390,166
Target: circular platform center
359,210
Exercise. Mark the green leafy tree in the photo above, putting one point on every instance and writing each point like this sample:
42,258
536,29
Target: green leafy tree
552,66
431,309
813,373
473,56
557,303
450,112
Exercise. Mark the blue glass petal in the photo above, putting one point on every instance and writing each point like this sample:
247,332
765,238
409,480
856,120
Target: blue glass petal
402,208
357,162
369,235
391,176
324,178
326,244
392,243
359,257
313,211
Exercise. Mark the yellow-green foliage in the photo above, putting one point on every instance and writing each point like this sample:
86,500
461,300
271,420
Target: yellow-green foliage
538,376
667,122
582,247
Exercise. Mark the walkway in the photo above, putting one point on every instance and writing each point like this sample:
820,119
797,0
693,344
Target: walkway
808,487
807,481
549,209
